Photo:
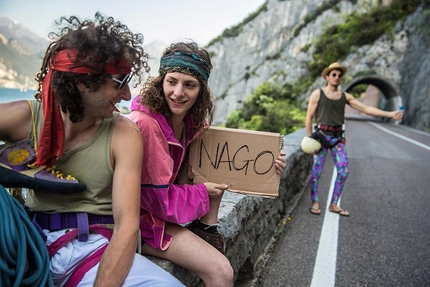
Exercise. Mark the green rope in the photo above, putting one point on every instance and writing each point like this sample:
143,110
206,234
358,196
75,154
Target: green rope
24,259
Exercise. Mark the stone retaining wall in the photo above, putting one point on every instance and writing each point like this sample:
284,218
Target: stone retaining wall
249,224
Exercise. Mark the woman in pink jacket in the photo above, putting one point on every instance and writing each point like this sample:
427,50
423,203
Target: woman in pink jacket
171,111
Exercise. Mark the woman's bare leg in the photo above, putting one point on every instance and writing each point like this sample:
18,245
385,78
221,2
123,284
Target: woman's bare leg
193,253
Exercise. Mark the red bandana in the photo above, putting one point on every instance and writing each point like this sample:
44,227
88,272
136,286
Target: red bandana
51,142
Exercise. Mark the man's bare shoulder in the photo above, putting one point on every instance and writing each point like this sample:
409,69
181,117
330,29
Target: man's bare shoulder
125,134
15,120
315,95
123,125
316,92
349,97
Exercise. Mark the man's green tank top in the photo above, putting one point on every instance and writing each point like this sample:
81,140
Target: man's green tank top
330,112
90,164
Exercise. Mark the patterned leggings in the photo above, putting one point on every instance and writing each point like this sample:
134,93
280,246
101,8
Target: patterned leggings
340,159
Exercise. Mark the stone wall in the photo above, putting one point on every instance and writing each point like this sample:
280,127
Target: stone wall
250,224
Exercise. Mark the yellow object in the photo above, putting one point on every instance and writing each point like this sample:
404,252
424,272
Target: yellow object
310,145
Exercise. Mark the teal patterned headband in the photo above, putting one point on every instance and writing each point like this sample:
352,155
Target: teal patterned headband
187,63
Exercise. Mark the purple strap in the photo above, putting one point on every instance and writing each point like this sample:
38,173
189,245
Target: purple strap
59,221
83,226
79,220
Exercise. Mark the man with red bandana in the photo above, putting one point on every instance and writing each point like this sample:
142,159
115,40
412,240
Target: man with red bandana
91,235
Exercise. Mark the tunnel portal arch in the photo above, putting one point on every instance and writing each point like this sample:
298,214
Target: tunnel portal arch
386,87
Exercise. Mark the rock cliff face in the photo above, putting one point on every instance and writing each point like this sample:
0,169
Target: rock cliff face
267,49
414,70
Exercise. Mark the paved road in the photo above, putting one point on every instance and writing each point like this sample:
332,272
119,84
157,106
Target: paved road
386,240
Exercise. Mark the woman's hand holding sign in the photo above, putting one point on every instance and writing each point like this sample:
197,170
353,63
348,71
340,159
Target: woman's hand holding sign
280,163
215,189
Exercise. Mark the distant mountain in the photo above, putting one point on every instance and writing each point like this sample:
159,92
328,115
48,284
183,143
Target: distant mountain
13,30
21,53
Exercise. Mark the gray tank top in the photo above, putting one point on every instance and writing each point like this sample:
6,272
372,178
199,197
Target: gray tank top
330,112
90,164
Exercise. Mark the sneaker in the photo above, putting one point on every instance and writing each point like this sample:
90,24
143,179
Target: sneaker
214,239
17,169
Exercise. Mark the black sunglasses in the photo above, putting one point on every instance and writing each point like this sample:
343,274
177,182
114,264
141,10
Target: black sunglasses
122,82
335,74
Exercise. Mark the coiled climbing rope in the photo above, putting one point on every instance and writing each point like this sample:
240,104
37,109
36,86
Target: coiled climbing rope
24,259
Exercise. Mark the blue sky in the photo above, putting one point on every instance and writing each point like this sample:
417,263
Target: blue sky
165,20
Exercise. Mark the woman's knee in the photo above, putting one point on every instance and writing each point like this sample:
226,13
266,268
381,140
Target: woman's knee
222,273
227,271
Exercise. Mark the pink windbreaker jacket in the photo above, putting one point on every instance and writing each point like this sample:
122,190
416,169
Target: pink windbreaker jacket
161,199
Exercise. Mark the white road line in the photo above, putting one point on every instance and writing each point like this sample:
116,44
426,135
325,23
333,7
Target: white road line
400,136
325,263
324,274
414,130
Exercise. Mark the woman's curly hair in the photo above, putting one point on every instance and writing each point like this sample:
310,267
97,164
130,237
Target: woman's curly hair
99,42
152,94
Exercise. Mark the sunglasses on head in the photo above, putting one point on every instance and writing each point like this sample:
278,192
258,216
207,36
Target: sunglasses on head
336,74
122,82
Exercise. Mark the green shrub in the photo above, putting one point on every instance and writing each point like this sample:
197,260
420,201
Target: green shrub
356,91
270,108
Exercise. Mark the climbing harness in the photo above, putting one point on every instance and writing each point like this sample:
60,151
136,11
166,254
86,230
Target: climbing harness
79,225
334,132
24,259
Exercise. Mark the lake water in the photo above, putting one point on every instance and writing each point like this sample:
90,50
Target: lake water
9,95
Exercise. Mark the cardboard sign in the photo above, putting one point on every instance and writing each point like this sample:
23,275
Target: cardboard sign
242,159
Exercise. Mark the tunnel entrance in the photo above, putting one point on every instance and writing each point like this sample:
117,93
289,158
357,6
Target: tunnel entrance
392,99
